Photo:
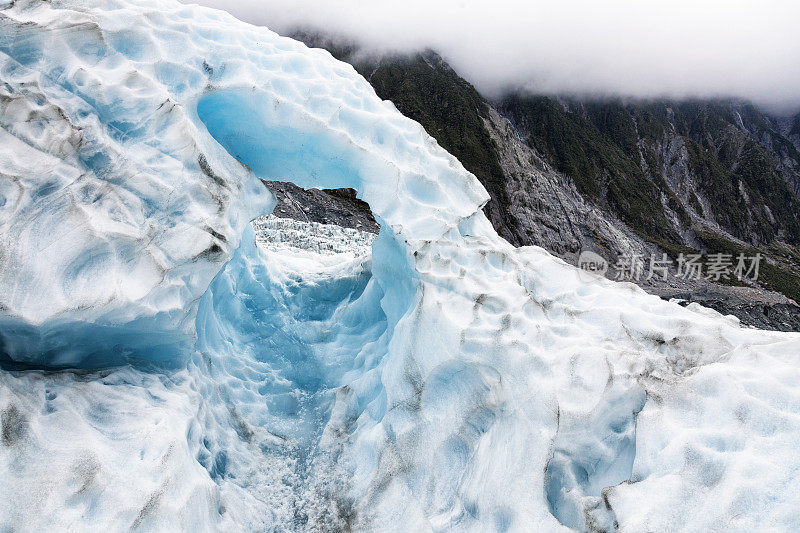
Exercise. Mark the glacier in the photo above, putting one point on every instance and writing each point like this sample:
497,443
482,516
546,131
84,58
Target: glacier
174,359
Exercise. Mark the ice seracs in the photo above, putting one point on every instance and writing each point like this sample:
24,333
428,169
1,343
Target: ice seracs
446,381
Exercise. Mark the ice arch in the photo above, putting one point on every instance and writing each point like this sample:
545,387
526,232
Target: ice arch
321,350
338,146
111,238
410,184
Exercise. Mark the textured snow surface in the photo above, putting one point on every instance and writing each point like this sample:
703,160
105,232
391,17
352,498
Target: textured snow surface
289,376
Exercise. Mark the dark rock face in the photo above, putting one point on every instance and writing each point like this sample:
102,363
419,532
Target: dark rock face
779,316
326,206
664,167
619,177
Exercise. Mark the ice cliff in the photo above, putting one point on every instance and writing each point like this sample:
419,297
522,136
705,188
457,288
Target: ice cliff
169,365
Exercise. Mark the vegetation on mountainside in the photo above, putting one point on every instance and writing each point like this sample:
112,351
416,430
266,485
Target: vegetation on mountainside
757,170
615,152
795,129
600,168
719,187
768,207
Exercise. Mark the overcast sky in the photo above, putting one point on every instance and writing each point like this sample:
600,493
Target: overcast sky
638,48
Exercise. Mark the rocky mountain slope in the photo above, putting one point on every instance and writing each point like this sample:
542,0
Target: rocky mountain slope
339,207
623,179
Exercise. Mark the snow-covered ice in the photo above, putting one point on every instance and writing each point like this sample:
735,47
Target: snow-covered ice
168,365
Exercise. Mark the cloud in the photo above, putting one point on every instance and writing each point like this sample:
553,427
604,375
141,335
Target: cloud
638,48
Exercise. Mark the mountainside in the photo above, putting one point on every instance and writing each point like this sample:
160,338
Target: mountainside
666,166
620,178
338,207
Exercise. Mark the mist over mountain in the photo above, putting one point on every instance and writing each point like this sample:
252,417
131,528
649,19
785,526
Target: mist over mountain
673,49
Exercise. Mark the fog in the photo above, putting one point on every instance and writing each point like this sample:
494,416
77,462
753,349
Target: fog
641,48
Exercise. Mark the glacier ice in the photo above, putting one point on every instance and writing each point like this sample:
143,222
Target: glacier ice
169,365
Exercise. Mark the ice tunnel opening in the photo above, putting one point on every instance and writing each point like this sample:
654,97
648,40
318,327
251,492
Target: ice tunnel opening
279,141
301,312
296,294
285,326
302,266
